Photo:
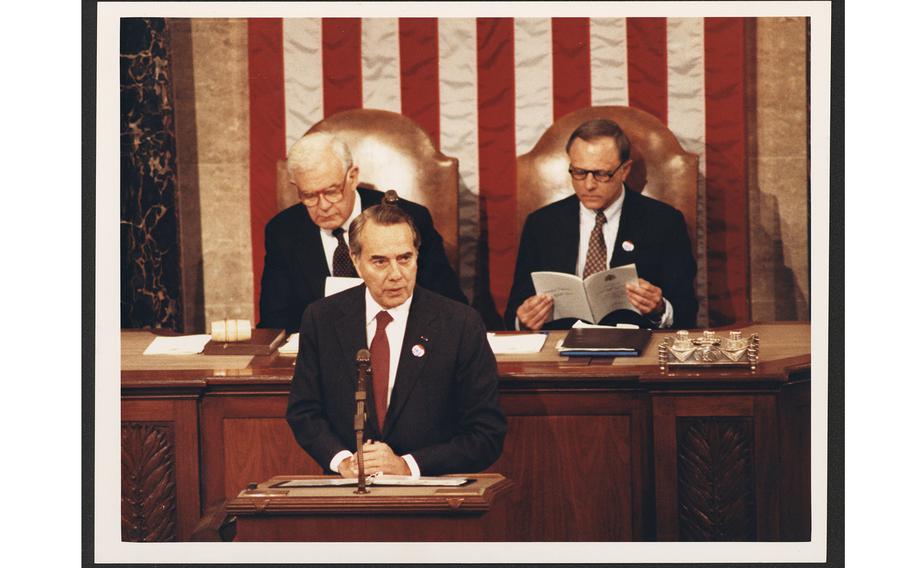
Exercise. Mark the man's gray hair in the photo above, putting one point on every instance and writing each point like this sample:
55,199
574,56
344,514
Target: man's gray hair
383,214
310,150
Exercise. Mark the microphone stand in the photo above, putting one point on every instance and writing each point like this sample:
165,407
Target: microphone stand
364,374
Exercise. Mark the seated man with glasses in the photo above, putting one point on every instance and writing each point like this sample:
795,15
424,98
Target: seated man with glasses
604,226
307,242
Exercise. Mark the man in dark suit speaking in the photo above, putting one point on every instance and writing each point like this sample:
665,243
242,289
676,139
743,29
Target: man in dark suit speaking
433,406
307,242
604,226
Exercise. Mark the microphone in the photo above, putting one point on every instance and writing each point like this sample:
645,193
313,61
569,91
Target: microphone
390,197
364,374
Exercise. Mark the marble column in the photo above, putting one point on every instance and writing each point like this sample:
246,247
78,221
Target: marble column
149,248
779,196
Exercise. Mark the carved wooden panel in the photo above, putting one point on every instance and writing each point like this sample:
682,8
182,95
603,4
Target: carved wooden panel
148,493
716,478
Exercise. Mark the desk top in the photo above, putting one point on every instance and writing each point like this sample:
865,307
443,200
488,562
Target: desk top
785,350
476,496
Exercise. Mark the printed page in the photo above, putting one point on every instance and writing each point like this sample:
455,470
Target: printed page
517,343
568,293
177,345
607,290
335,284
292,345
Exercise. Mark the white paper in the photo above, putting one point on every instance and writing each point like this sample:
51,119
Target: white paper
178,345
606,290
591,299
292,345
584,325
516,343
568,292
378,480
335,284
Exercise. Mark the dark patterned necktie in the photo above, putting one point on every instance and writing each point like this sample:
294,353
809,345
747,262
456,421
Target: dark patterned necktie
379,360
341,260
597,248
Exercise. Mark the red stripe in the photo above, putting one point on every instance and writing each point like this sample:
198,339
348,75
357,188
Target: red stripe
418,41
341,75
646,40
266,81
725,169
571,65
496,148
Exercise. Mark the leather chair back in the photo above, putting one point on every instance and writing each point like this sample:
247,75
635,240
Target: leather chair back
393,152
660,167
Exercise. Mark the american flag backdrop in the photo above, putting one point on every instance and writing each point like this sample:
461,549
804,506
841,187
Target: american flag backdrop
485,89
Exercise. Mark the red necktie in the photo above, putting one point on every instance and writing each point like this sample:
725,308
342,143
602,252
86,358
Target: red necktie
379,357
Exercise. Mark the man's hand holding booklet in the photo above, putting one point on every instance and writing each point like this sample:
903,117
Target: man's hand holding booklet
590,299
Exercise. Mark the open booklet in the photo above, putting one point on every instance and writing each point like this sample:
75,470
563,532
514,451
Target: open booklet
376,480
590,299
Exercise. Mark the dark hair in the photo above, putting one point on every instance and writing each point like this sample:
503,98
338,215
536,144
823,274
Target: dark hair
602,128
383,214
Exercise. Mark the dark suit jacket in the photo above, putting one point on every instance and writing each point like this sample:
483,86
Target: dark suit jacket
295,267
662,254
444,408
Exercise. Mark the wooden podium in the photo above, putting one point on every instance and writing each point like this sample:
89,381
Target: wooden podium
478,511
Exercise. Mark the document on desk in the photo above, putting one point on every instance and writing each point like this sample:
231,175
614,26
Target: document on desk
379,480
292,345
335,284
177,345
516,343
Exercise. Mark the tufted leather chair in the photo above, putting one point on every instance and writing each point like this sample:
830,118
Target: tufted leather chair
660,167
393,152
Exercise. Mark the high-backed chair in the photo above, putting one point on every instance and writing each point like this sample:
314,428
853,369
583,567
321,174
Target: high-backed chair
660,167
393,152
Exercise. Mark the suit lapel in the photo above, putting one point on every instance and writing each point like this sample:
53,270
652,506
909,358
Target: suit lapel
310,253
420,330
351,334
369,197
567,240
629,226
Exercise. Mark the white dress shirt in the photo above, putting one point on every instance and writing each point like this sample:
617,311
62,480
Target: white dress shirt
586,220
395,334
329,242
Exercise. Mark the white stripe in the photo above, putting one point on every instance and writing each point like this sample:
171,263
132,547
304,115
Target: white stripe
458,131
533,81
380,64
686,119
609,62
686,83
302,76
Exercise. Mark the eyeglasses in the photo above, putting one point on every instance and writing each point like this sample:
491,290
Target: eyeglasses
332,194
599,175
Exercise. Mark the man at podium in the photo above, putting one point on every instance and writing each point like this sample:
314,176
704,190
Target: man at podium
433,405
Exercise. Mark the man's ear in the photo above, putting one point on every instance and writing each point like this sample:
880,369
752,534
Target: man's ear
355,175
626,169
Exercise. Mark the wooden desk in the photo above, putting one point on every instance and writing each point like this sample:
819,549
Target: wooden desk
479,512
600,449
